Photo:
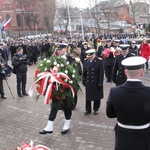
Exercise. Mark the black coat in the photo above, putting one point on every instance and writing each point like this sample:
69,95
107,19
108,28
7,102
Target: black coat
93,76
130,104
118,71
83,54
19,65
134,50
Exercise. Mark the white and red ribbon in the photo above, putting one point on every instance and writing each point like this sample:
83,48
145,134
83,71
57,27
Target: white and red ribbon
47,80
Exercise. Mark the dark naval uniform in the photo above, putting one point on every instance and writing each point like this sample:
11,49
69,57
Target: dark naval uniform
130,111
93,75
118,71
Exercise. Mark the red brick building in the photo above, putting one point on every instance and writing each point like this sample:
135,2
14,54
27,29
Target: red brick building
28,16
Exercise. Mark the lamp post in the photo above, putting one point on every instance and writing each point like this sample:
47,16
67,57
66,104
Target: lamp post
81,24
69,18
1,26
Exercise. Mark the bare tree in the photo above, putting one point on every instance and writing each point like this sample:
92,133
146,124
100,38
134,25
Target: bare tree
64,11
29,11
47,11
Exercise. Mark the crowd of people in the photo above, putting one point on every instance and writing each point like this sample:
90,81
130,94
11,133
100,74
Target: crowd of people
98,57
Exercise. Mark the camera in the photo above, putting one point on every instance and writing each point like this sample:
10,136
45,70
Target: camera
24,57
4,71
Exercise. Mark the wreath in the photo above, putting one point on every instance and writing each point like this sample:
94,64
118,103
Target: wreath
56,79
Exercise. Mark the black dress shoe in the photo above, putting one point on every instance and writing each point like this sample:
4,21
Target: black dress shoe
95,113
64,131
87,113
20,95
45,132
3,97
25,94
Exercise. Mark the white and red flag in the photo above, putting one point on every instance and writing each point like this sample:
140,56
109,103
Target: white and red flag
6,24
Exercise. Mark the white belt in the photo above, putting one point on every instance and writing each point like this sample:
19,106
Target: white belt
133,127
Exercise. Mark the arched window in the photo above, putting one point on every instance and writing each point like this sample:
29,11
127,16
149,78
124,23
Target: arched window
18,18
7,18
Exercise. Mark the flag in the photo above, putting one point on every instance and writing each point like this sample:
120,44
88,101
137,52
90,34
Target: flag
6,24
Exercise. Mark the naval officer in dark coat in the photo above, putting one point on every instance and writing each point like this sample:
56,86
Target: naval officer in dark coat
118,71
130,104
93,76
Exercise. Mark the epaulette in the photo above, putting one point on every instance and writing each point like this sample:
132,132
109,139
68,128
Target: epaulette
85,58
100,58
133,54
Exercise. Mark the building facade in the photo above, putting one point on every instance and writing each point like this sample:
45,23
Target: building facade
28,16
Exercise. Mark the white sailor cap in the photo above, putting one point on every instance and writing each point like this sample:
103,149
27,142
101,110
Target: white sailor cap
133,42
84,43
60,46
117,41
124,46
134,62
90,52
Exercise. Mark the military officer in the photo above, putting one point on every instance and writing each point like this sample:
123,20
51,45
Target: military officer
118,71
130,104
93,76
62,52
84,48
134,49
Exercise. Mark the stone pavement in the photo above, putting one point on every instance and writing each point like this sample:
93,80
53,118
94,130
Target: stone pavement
22,118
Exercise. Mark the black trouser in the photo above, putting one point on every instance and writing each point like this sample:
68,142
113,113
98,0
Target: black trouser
108,72
146,65
1,87
21,82
96,105
53,114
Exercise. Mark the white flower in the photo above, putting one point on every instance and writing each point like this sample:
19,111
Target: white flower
66,71
64,57
48,61
61,65
58,65
73,71
41,64
38,93
70,81
73,76
55,63
45,69
45,59
67,62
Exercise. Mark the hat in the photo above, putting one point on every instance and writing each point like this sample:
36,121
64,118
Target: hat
117,41
90,52
133,42
134,62
60,46
103,40
124,46
84,43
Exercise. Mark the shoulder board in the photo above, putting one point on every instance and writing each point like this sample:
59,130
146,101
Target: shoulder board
86,58
100,58
133,54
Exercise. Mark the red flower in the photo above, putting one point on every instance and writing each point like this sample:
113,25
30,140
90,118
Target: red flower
57,97
62,91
